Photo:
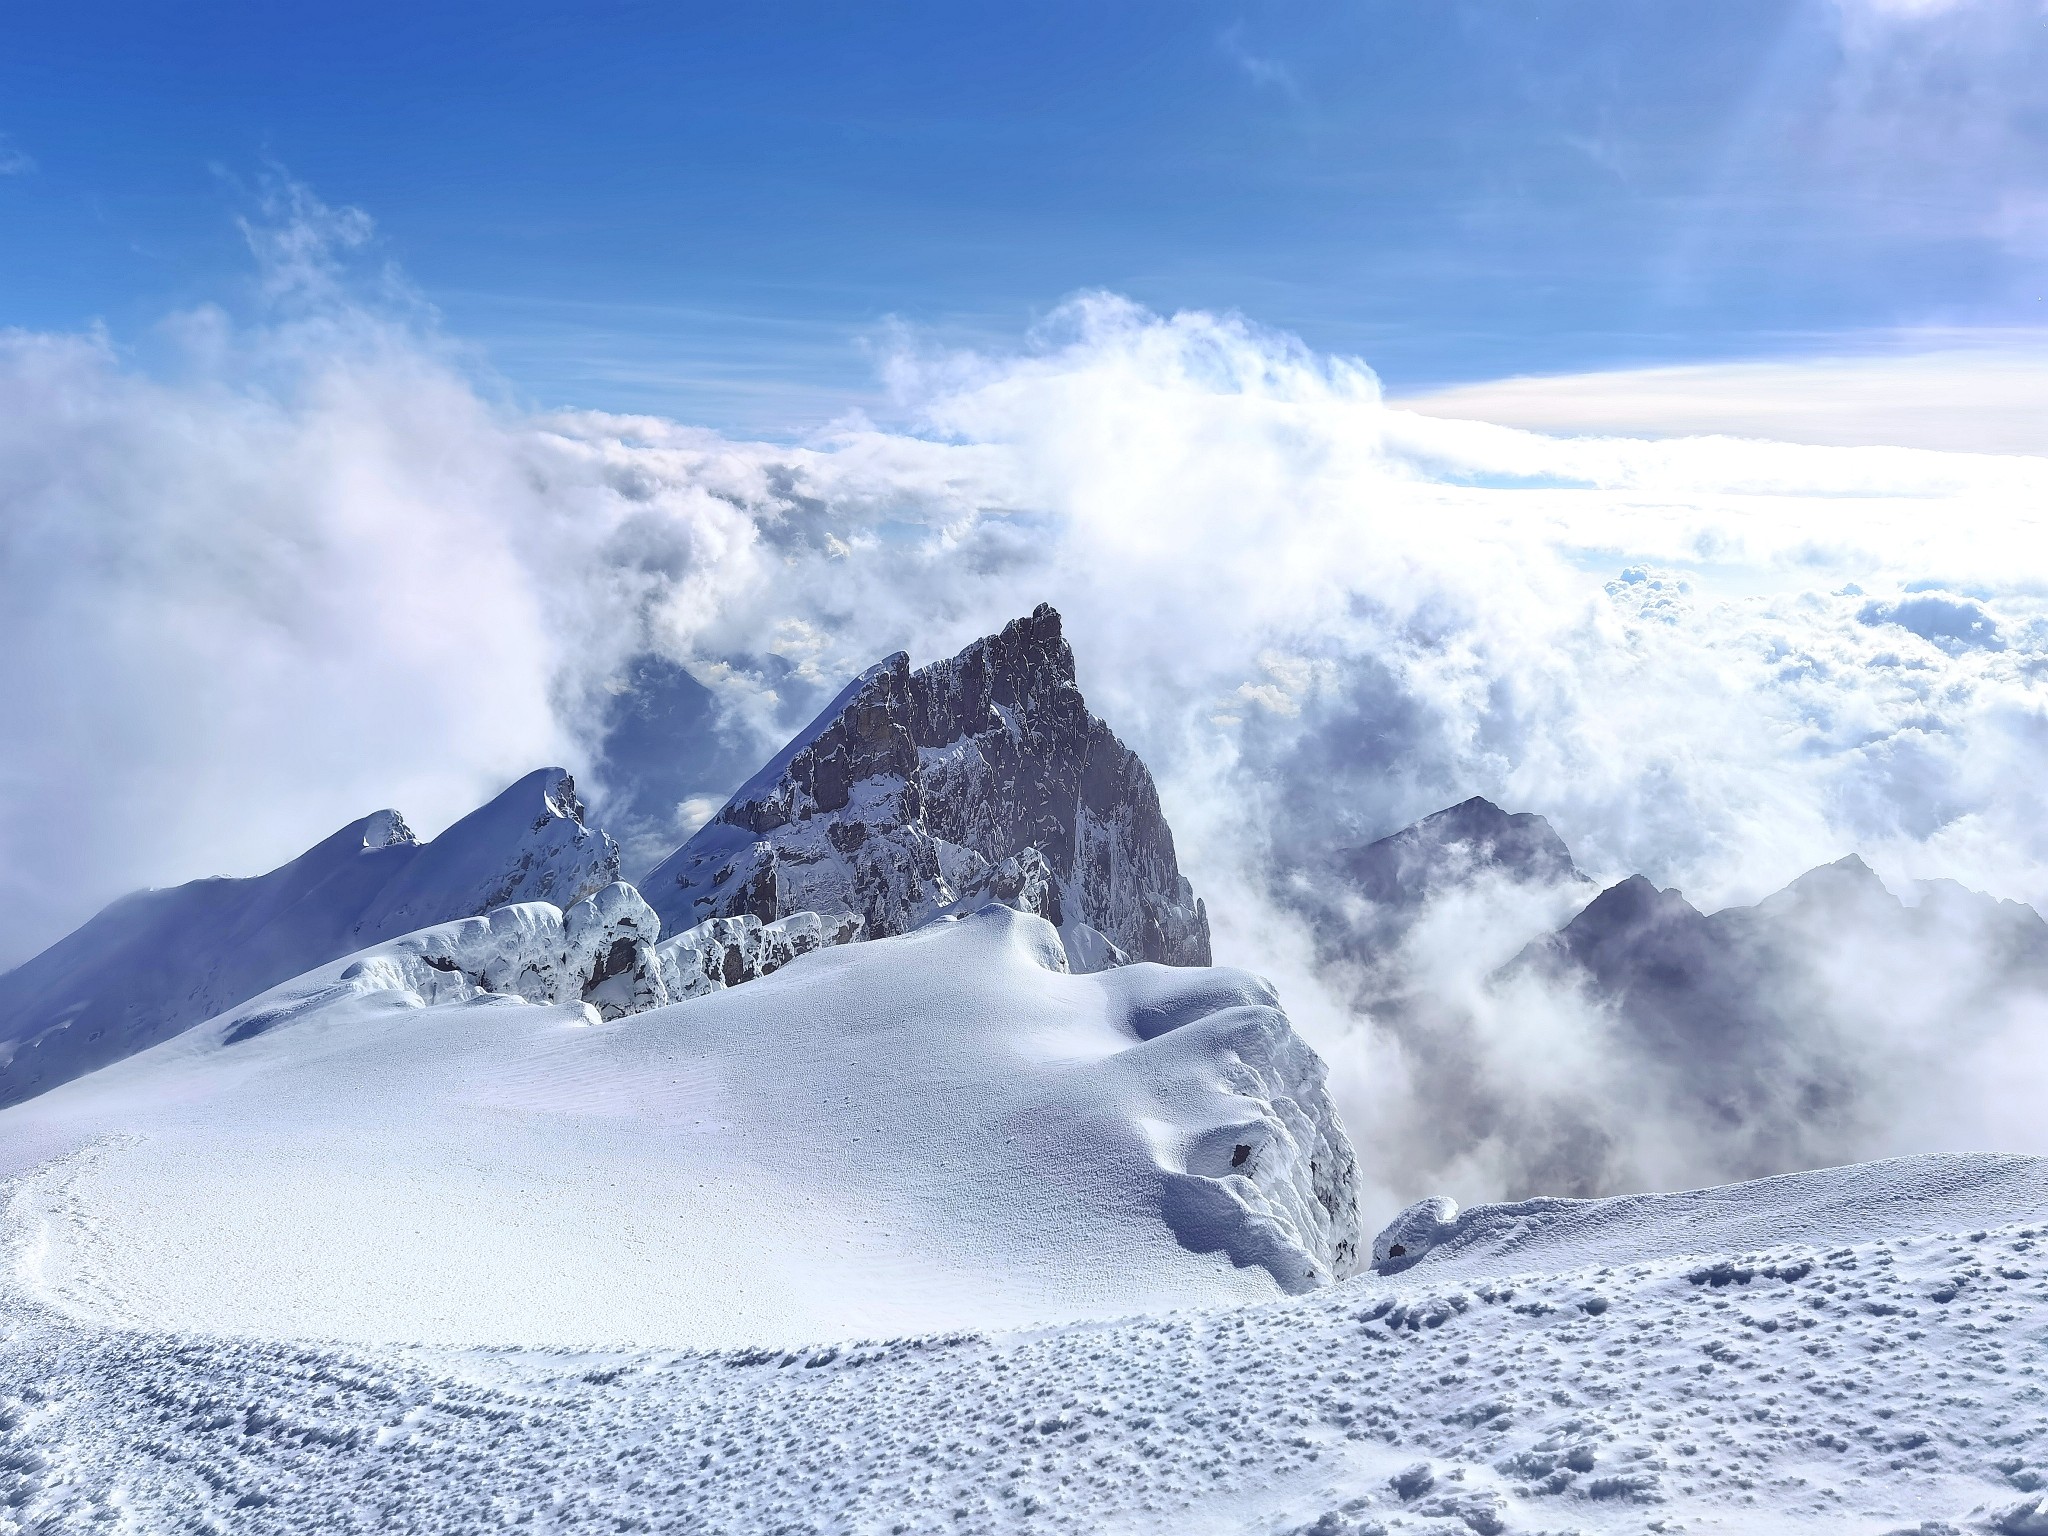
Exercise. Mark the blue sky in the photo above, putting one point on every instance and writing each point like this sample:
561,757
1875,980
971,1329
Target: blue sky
712,212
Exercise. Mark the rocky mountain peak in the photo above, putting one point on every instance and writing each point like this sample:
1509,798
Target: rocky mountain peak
1455,845
915,788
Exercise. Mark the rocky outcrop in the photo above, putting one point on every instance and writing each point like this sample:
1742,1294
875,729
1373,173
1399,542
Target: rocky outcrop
604,952
723,952
979,778
156,962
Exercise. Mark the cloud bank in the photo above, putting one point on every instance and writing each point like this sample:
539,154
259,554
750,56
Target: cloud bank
1967,399
317,567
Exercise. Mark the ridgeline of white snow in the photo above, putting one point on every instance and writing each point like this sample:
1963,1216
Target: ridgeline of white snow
1854,1351
155,962
940,1130
389,1249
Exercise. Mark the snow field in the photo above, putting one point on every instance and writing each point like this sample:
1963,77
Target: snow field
1895,1383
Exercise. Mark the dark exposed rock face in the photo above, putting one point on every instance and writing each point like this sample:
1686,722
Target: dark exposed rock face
914,788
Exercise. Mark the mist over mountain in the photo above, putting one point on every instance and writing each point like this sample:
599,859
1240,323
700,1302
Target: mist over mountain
1640,1042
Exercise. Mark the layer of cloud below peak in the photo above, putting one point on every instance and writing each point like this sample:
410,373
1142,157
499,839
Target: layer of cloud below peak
316,569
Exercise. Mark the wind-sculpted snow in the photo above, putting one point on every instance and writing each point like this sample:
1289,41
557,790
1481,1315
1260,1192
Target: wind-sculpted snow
158,961
1876,1373
938,1130
916,792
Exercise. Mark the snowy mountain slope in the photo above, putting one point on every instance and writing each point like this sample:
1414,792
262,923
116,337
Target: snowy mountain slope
157,961
1832,1206
913,789
1856,1351
939,1130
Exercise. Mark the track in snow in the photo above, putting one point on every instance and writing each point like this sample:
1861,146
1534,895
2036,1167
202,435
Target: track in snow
1871,1386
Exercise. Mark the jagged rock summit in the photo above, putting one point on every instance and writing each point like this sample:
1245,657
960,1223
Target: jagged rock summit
979,779
155,962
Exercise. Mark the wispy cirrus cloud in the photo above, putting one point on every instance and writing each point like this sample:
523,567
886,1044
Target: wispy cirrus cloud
1261,69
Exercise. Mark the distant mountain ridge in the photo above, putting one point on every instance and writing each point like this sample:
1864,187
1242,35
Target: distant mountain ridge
981,777
1755,1034
157,961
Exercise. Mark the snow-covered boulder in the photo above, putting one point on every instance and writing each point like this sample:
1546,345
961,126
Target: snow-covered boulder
1413,1233
156,962
916,791
608,943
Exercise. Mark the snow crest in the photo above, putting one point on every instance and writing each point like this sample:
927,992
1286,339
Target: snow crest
980,778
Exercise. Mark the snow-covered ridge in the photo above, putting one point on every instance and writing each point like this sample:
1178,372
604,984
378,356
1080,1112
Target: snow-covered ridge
1824,1207
982,777
159,961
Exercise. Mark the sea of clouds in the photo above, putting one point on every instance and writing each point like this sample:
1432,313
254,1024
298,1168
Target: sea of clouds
311,561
